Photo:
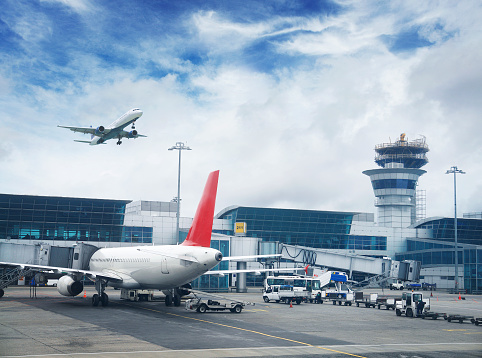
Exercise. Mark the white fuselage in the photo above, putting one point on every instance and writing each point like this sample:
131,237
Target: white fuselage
126,119
116,127
155,267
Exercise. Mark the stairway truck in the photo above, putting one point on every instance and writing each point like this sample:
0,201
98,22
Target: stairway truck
410,306
337,290
284,294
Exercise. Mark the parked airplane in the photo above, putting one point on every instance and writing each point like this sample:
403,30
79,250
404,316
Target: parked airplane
169,268
101,134
163,267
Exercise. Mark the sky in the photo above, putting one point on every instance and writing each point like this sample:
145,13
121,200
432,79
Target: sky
286,98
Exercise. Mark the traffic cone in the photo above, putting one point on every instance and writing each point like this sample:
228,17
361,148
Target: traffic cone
431,294
291,304
460,296
85,294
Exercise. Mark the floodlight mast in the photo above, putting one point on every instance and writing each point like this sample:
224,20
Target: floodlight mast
454,170
180,147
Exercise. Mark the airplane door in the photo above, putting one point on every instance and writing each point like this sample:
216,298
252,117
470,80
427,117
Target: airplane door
164,268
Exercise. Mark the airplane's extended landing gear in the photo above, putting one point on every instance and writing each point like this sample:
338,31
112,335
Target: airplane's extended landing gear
172,297
101,296
119,142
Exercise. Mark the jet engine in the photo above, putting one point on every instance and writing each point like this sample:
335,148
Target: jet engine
99,130
184,290
133,134
67,286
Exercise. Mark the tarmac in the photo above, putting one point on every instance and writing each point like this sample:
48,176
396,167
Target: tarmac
52,325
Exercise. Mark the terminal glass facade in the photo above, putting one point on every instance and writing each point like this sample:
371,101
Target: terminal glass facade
441,250
317,229
27,217
432,254
469,231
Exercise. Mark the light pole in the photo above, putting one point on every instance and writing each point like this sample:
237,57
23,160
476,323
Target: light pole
180,147
455,171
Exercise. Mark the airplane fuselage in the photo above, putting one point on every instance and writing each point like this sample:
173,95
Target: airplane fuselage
116,127
155,267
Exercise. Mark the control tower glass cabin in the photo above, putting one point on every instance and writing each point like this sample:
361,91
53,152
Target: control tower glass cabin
394,184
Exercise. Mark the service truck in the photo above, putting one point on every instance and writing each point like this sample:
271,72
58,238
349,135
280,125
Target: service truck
299,283
397,285
284,294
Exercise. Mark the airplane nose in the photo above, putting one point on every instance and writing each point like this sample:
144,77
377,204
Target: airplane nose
218,256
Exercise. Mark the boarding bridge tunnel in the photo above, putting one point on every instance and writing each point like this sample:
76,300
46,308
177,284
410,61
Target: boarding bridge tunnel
342,261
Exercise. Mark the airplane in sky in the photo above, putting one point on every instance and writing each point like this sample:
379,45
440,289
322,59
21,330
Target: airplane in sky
169,268
101,134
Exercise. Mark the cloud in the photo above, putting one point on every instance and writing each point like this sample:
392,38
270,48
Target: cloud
288,103
80,6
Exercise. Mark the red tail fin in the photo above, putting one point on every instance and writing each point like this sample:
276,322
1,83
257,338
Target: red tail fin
202,225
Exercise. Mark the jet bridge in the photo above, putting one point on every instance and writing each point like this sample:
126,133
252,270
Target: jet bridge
344,261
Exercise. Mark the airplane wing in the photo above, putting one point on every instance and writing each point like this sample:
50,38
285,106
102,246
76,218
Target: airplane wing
85,130
255,271
110,275
244,258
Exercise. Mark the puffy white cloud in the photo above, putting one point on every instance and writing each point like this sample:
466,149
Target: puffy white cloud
297,135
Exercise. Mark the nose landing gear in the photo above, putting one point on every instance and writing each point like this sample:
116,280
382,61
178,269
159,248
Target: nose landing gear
100,297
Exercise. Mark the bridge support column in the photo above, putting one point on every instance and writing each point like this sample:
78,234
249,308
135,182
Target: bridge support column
241,277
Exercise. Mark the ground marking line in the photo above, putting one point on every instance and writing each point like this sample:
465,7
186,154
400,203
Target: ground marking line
250,331
239,349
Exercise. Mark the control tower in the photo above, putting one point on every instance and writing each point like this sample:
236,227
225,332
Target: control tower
394,184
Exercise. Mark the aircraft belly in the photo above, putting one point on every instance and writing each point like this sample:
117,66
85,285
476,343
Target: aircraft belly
156,278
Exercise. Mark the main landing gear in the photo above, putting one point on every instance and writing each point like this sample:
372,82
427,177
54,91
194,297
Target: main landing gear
100,297
119,142
172,297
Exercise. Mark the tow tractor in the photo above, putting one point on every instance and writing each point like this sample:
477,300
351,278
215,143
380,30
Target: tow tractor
409,302
201,305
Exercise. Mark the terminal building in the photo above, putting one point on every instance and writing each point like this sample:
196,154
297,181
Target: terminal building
359,243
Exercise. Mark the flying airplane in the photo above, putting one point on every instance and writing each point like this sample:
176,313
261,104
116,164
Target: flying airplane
101,134
169,268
